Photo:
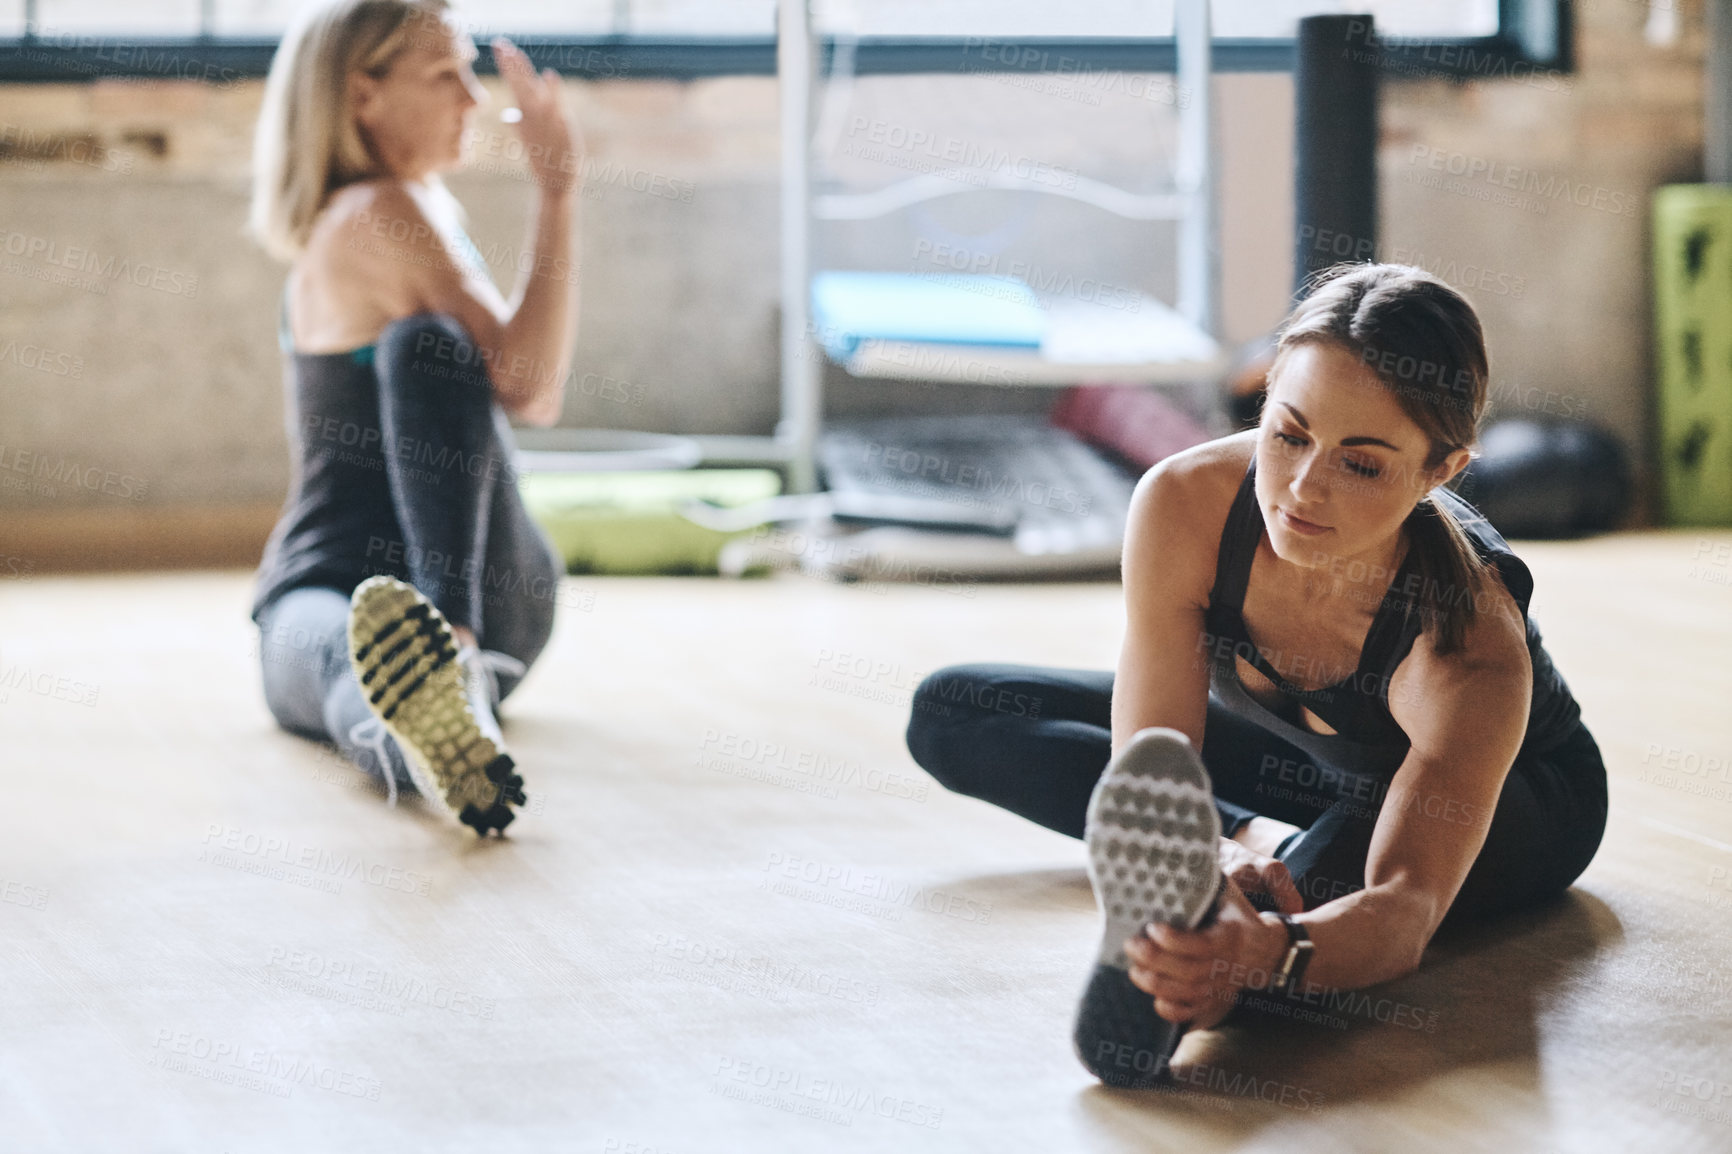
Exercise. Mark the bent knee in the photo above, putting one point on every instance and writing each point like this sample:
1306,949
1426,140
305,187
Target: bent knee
940,707
435,344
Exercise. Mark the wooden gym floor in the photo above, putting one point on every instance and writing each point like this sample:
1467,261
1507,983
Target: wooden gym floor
737,917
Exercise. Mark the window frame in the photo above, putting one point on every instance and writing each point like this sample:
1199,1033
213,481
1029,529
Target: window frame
1534,36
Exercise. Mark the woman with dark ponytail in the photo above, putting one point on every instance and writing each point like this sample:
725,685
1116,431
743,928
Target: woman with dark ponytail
1333,727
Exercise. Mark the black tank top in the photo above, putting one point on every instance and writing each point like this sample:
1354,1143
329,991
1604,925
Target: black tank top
338,519
1367,740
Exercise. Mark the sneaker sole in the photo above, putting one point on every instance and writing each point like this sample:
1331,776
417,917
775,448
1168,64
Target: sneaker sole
1153,842
405,657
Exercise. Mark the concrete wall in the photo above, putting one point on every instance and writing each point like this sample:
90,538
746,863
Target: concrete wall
152,384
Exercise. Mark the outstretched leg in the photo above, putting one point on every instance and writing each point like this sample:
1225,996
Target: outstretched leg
1035,741
310,688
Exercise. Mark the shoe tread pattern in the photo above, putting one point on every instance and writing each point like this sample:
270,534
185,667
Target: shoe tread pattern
1153,841
405,657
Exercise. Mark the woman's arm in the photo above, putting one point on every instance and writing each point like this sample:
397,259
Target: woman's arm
1168,568
1465,716
526,344
537,345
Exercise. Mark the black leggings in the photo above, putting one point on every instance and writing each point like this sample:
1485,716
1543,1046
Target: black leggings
1035,741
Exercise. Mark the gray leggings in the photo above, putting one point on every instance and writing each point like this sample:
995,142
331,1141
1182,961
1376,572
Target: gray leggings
311,689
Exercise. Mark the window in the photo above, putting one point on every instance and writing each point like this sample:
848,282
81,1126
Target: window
69,39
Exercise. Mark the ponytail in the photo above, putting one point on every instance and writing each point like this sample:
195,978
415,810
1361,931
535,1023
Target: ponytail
1452,575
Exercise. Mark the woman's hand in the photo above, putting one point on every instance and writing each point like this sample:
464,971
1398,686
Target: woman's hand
1254,873
1195,975
551,139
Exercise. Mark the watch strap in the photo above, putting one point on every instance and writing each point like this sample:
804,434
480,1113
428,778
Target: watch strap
1290,970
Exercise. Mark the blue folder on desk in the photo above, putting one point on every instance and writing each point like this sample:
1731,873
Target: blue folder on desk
850,307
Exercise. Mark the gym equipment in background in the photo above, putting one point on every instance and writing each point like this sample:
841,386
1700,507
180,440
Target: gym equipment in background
1548,478
1334,144
1693,343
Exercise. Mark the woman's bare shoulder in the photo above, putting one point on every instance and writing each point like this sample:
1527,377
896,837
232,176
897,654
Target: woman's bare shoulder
358,271
367,219
1180,510
1201,481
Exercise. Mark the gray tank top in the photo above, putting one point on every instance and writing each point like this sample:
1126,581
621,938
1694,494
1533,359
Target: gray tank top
339,515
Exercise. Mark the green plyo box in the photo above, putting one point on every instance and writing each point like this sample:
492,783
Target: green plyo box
1693,339
629,523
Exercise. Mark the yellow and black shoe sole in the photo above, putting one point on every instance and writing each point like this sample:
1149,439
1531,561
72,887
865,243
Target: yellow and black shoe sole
405,658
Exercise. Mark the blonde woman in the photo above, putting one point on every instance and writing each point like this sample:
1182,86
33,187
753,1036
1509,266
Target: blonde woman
405,590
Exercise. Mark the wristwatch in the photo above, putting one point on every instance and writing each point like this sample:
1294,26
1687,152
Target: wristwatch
1289,971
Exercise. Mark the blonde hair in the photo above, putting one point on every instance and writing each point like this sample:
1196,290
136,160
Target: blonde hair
307,144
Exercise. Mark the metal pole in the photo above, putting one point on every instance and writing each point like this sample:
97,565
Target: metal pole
1199,252
1717,116
802,397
